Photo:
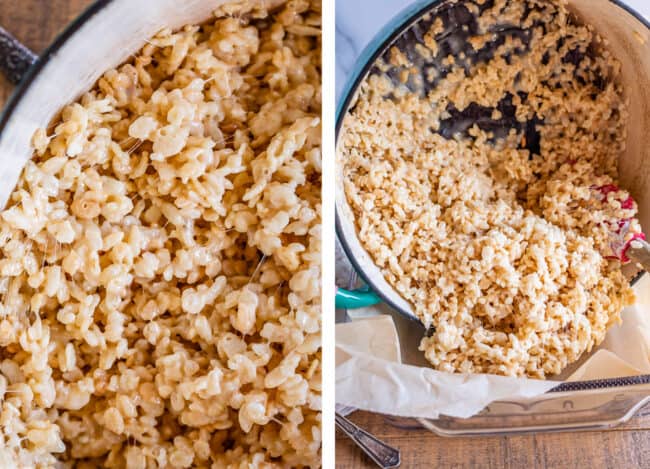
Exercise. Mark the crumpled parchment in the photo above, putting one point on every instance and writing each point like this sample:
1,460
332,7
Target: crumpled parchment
379,369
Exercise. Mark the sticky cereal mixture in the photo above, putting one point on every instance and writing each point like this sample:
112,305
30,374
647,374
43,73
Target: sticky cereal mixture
160,268
477,184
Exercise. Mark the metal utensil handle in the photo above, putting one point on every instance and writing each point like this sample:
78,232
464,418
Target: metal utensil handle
383,455
639,251
15,58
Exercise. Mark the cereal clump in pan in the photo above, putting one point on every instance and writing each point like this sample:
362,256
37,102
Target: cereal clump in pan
475,184
160,268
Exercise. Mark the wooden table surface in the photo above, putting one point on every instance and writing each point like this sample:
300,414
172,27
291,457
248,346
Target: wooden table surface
36,22
625,447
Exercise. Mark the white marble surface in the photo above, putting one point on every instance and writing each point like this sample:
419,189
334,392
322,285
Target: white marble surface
357,21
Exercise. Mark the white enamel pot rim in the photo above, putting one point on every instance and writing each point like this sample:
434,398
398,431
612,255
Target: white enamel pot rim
345,229
99,39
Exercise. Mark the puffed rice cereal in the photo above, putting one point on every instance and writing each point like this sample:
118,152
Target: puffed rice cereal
492,231
160,269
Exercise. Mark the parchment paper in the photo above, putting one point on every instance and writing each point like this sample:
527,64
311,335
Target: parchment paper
379,368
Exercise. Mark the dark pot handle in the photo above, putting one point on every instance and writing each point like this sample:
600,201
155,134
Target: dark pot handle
15,58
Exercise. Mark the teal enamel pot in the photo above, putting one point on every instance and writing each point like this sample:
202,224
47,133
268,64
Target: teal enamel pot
628,36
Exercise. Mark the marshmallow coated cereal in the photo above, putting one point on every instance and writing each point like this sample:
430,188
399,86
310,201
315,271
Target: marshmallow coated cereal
495,232
160,268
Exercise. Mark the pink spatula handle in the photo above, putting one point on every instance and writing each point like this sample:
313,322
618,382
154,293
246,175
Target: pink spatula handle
625,244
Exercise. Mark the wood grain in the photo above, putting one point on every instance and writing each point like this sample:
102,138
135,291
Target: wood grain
36,23
627,446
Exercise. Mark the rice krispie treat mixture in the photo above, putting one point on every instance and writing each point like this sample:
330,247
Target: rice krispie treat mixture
480,162
160,268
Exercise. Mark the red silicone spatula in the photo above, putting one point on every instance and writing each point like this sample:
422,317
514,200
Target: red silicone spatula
626,245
